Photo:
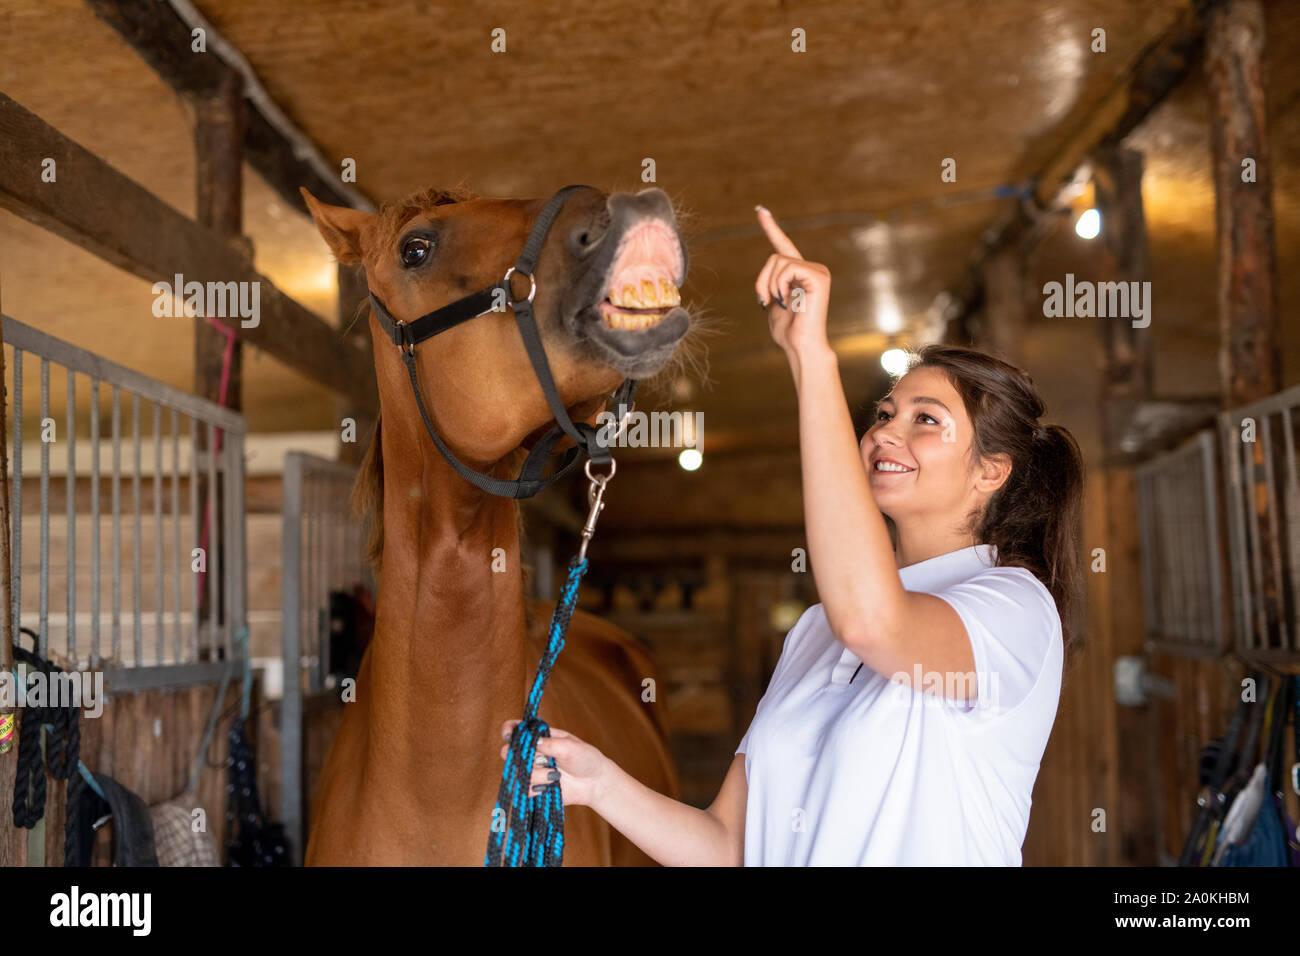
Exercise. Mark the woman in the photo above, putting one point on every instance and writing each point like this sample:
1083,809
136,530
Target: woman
907,715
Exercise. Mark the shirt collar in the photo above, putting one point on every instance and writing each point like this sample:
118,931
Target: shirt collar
944,570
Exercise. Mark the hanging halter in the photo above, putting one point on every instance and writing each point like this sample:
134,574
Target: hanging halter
406,335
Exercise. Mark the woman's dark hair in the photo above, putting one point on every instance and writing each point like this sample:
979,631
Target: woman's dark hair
1034,518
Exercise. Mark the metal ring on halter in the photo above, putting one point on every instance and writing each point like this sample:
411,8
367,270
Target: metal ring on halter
600,478
532,283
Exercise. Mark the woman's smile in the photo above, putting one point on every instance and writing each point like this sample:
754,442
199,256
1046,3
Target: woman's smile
881,466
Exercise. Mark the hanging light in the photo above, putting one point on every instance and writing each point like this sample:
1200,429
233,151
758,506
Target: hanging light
1089,224
690,458
894,361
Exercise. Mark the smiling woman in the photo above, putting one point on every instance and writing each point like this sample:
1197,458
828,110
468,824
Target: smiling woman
959,625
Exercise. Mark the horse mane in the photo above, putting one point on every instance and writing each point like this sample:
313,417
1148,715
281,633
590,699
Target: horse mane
393,215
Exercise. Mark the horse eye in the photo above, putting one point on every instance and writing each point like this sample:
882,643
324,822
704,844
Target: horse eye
415,251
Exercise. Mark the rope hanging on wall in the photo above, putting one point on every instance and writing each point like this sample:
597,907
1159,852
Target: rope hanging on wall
62,757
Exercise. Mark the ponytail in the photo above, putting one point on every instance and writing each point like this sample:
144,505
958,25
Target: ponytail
1052,549
1034,519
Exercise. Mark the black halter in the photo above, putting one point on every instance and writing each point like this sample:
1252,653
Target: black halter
406,335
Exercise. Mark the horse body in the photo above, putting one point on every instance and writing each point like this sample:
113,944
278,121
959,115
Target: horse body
413,772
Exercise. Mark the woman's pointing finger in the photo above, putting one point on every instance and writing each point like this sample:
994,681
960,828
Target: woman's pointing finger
780,241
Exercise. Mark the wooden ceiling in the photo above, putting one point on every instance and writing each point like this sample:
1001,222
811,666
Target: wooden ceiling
844,143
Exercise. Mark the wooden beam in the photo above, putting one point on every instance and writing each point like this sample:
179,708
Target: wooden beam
163,40
112,216
275,161
1251,363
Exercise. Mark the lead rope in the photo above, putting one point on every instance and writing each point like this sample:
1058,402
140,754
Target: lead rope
528,830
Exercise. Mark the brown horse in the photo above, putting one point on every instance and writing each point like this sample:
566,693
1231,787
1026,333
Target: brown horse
413,772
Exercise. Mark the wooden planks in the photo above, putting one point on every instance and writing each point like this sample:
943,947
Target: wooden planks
147,741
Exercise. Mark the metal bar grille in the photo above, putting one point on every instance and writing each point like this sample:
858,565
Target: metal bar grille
1178,516
1263,503
323,553
71,625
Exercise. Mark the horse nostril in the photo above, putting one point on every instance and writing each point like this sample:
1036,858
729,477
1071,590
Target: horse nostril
588,235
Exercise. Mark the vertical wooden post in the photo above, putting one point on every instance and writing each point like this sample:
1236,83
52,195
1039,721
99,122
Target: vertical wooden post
1250,361
1117,177
219,156
10,841
1005,313
356,326
1250,353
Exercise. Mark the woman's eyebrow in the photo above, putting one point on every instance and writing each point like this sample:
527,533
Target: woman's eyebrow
922,399
919,400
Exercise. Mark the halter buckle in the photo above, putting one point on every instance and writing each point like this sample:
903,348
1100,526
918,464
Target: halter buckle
532,284
406,345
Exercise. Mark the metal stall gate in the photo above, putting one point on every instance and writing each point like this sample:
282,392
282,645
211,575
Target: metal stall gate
1182,575
168,609
323,558
1263,493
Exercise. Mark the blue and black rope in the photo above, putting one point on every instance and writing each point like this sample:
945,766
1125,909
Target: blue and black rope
528,830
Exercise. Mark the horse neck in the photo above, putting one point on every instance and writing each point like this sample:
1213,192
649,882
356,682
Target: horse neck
448,657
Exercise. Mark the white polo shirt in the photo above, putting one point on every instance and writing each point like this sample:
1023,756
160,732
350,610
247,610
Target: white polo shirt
866,771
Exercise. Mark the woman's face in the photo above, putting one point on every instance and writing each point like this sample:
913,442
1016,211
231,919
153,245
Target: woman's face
917,452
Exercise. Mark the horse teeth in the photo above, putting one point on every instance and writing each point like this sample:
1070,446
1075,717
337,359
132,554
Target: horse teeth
650,294
630,321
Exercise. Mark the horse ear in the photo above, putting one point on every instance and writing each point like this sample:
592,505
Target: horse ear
340,226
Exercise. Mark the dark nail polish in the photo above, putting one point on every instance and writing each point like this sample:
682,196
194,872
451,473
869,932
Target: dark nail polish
553,776
538,788
780,302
